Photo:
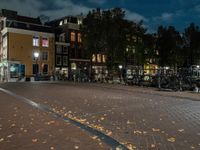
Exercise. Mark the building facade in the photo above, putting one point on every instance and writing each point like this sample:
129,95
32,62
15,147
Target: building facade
20,38
70,56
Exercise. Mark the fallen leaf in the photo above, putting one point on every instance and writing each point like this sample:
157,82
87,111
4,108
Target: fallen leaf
13,125
137,132
102,118
34,140
128,122
9,136
94,137
76,147
155,130
131,147
2,139
109,133
172,139
153,145
181,130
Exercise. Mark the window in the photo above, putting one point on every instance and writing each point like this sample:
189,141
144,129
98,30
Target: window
36,41
61,23
98,58
79,38
62,37
80,21
73,37
65,21
35,68
45,68
58,49
65,60
58,60
45,42
103,58
65,50
45,55
93,58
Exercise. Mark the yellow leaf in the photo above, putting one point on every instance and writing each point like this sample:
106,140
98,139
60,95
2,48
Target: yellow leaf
34,140
137,132
181,130
102,118
13,125
153,145
155,130
76,147
9,136
2,139
172,139
94,137
109,133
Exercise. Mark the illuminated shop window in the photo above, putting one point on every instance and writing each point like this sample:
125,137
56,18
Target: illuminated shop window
45,42
103,58
79,38
80,21
73,36
98,58
36,41
93,58
61,23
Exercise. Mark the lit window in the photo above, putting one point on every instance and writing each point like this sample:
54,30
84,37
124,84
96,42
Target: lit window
65,21
103,58
73,37
45,42
58,60
45,56
36,41
79,38
93,58
80,21
65,60
98,58
61,23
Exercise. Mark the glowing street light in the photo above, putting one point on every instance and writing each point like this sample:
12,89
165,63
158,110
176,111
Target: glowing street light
36,55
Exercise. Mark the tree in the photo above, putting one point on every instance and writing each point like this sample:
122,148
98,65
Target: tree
168,45
192,45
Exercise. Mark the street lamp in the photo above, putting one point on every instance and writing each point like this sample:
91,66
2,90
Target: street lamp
120,67
36,55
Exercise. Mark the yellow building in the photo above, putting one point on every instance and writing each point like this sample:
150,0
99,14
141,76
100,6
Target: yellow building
21,37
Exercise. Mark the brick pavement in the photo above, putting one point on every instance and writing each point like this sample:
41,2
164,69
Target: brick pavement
142,118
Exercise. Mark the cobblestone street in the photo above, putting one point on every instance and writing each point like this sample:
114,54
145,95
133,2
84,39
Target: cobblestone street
139,118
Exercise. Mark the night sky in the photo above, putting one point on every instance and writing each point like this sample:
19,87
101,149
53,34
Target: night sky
179,13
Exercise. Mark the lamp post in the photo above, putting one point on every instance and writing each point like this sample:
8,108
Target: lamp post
36,55
120,68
